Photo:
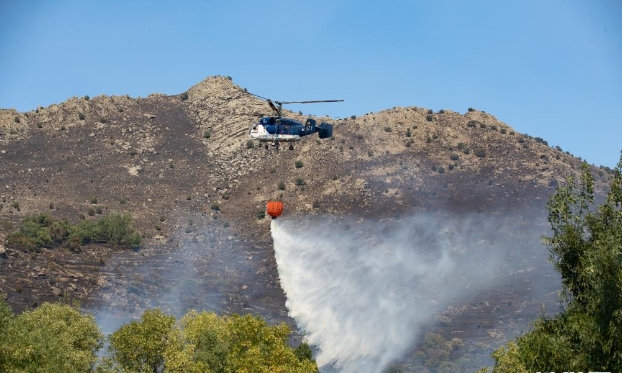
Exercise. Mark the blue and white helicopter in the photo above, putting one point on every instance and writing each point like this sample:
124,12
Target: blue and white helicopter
276,129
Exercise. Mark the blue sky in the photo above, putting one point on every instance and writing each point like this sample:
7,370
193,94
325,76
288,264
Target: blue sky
548,68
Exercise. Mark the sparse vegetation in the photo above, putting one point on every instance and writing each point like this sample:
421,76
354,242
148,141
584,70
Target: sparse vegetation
408,133
480,152
208,134
281,186
250,144
429,117
298,164
81,116
44,231
103,120
215,206
184,96
454,156
471,109
93,201
260,214
16,119
300,182
388,129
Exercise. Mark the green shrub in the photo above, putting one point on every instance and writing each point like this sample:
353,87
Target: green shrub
103,120
208,134
16,119
86,97
353,117
541,140
260,214
250,144
480,152
39,125
281,185
430,111
81,116
184,96
215,206
408,133
93,201
388,129
300,182
503,131
298,164
471,109
44,231
429,117
454,156
472,123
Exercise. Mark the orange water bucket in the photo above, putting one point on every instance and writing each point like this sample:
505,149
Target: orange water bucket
274,208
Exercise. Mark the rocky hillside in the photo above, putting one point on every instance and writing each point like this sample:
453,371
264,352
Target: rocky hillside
184,168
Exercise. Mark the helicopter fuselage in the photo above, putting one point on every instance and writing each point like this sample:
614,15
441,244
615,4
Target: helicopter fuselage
275,129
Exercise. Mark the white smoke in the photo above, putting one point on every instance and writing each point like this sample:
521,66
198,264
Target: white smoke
361,291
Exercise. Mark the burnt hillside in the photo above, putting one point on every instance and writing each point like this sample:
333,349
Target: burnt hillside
183,167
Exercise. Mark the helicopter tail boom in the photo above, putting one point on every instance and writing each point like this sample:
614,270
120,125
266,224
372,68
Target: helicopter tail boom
325,130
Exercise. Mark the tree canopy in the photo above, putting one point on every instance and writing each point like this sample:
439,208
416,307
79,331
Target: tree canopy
586,249
59,338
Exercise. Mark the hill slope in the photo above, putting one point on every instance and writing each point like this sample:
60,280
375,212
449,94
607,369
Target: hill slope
186,172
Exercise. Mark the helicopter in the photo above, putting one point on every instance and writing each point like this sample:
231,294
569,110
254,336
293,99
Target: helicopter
276,129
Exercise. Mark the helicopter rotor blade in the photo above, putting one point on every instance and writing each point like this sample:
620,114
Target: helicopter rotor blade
274,107
306,102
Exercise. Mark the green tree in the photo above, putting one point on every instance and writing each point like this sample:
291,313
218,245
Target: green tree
139,345
6,317
205,342
199,343
258,347
586,249
52,338
507,360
